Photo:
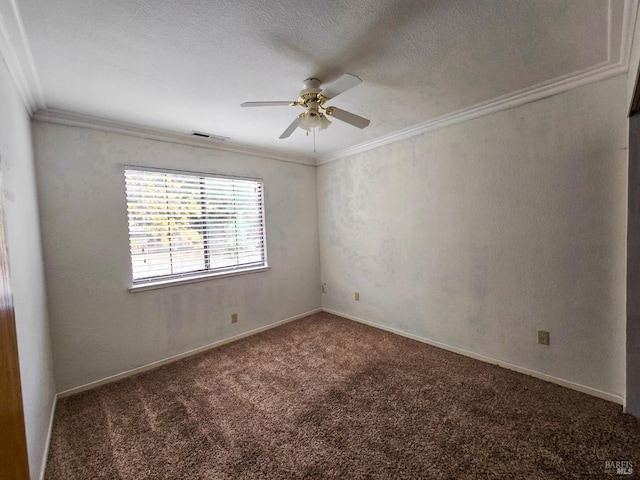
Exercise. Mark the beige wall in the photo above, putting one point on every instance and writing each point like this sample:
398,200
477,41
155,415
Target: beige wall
478,234
100,329
27,275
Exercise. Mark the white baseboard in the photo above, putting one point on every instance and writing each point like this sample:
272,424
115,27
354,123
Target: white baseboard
43,469
150,366
510,366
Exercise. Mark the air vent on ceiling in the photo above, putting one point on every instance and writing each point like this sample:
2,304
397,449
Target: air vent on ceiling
208,136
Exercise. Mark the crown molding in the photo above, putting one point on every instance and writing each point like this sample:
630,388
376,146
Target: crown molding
14,47
63,117
528,95
602,71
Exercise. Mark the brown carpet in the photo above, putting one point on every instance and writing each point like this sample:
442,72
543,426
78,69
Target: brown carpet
324,397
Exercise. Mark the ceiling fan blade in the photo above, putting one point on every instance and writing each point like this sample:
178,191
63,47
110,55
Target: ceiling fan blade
348,117
265,104
290,128
344,83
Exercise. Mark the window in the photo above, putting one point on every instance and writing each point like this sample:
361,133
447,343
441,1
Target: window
189,226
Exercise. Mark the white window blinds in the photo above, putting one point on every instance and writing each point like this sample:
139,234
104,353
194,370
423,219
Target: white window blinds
187,224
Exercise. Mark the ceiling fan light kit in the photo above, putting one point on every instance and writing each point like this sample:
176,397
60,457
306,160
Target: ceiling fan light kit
313,118
313,98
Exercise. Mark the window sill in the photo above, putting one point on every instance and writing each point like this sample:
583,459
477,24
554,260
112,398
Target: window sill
155,284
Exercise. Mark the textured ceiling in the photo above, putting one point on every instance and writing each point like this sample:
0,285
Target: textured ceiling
187,65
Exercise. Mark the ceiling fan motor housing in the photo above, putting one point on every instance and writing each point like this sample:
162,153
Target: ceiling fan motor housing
309,95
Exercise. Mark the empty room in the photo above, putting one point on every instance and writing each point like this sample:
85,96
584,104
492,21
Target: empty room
355,239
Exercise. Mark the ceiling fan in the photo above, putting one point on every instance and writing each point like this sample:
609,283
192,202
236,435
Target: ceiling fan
313,99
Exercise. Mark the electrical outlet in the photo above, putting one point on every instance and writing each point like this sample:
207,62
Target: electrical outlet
234,318
357,296
324,288
543,337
